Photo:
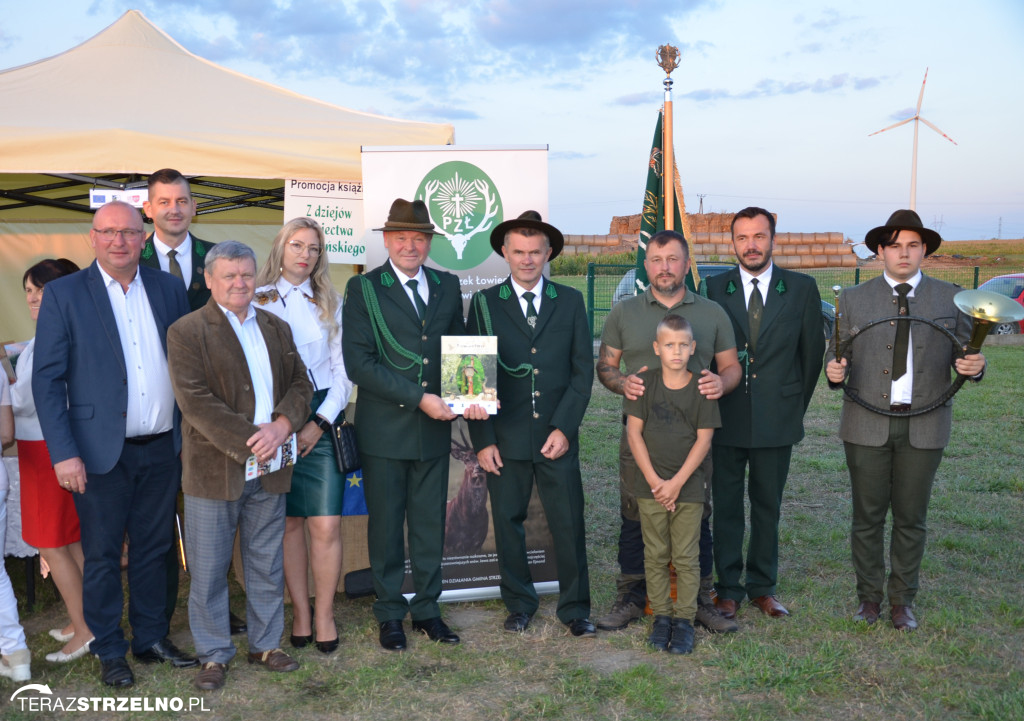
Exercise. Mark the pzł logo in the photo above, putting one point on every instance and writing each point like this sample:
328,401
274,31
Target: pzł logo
465,207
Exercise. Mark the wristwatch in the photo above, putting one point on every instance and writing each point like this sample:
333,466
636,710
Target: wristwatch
325,426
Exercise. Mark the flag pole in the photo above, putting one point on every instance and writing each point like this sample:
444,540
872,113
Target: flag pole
668,60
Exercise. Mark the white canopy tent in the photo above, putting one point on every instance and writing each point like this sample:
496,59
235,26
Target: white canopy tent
131,100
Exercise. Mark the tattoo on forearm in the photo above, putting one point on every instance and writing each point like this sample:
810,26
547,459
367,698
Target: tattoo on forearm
608,371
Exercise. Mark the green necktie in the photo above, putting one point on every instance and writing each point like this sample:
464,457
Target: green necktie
899,354
531,310
421,307
172,265
755,309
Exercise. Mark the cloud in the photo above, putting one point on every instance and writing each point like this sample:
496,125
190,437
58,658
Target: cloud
442,112
440,44
570,155
646,98
771,88
831,18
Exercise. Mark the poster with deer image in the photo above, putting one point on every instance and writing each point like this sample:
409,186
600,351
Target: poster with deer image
468,191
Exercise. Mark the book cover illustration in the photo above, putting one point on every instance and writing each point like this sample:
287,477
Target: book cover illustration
285,456
469,372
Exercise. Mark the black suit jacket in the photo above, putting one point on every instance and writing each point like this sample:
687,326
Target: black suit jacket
767,409
561,352
389,423
197,291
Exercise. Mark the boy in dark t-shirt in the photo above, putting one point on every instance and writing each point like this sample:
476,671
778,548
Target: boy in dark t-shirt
669,429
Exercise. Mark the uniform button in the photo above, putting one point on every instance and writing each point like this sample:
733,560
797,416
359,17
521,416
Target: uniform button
885,395
401,405
245,387
425,361
536,371
892,322
536,394
751,359
423,337
536,414
424,384
533,350
888,347
753,375
885,372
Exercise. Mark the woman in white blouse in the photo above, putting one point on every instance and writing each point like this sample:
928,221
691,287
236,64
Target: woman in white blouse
294,284
49,520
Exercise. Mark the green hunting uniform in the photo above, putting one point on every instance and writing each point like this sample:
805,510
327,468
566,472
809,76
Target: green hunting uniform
404,451
544,383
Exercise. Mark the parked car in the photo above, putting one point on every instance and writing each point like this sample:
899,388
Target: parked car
625,289
1012,286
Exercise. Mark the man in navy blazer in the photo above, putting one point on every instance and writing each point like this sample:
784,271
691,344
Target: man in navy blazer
107,411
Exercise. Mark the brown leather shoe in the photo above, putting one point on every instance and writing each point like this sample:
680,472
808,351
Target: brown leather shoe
726,607
770,606
276,660
903,618
211,676
868,612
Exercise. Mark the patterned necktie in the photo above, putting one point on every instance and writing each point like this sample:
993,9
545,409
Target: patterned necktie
421,307
899,354
755,309
172,265
531,310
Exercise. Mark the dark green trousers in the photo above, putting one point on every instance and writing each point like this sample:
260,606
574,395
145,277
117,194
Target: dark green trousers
769,468
561,492
893,476
400,493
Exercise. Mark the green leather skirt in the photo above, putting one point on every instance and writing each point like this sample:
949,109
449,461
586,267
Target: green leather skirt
318,488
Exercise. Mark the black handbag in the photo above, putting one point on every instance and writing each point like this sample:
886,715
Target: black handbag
343,440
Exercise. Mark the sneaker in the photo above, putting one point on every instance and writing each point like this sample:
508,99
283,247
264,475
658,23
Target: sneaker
661,633
16,665
623,613
709,617
682,637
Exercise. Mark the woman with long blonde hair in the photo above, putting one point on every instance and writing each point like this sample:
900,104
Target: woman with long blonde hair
294,285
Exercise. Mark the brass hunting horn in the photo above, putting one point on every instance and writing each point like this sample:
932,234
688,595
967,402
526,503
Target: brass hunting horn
986,310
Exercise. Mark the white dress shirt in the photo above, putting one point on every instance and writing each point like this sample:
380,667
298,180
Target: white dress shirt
184,257
324,364
150,396
538,292
903,388
763,280
421,284
257,358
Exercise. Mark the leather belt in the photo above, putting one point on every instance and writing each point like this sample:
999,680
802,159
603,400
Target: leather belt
902,407
143,440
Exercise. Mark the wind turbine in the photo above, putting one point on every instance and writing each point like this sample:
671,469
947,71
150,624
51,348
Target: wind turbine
916,117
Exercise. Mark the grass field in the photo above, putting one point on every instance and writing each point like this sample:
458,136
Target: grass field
966,661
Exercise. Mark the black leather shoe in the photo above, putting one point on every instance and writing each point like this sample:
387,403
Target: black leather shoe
117,673
163,650
237,624
327,647
517,622
300,641
436,630
392,635
582,628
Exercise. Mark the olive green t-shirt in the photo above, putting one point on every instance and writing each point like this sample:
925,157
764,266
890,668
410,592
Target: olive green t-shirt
631,324
671,418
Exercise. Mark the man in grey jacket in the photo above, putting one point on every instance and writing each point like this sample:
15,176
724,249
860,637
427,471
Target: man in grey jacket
899,366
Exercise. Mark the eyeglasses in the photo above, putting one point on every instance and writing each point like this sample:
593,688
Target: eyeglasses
111,233
298,248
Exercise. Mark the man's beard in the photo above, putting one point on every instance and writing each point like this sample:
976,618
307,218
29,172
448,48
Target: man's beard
669,285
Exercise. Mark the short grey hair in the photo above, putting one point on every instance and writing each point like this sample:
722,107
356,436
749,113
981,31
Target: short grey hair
230,250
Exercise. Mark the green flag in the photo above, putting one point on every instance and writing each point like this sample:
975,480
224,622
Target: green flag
652,218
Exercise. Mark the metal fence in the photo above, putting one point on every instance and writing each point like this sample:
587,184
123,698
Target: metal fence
602,280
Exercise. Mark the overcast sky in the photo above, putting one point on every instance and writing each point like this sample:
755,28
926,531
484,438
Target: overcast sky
774,101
